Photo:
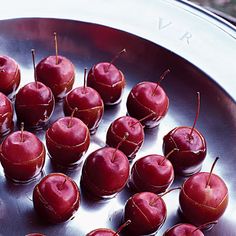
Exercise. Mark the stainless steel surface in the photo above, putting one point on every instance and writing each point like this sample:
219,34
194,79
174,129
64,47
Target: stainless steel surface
86,44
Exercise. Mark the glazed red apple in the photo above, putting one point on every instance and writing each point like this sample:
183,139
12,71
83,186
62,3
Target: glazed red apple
191,146
108,232
148,98
105,172
6,115
34,103
58,73
151,173
120,127
147,213
203,198
56,198
183,230
67,140
22,156
89,104
9,75
108,81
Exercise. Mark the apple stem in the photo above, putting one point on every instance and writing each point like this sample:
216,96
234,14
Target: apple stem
33,59
85,78
212,167
122,227
71,117
160,80
22,132
160,196
56,47
204,225
60,187
144,118
168,155
116,56
196,116
126,135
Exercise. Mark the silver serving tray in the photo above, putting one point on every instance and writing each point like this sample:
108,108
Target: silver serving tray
89,43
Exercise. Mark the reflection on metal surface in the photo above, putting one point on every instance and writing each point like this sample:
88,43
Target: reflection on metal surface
86,44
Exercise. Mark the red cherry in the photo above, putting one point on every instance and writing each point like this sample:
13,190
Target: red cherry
108,81
56,72
89,104
67,140
203,198
151,173
99,165
6,115
108,232
119,128
9,75
148,98
147,212
102,232
22,156
192,147
56,198
34,102
183,230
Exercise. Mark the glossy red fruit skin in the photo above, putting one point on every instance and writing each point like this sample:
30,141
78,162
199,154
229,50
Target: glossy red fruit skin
149,174
56,198
192,152
147,212
9,76
200,205
183,230
58,77
34,105
142,101
66,145
102,232
23,160
89,104
105,172
6,116
117,131
108,81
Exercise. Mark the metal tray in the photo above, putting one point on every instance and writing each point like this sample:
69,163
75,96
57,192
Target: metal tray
86,44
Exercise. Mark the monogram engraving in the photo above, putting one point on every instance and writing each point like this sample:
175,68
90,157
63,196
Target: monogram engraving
167,24
186,36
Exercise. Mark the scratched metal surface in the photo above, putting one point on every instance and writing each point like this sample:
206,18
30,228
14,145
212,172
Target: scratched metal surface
86,44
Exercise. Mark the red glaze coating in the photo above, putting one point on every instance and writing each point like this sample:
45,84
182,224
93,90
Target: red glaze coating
142,101
117,131
58,77
200,204
102,232
6,115
34,104
108,81
147,212
9,75
67,140
105,172
183,230
90,106
56,198
22,160
149,174
192,151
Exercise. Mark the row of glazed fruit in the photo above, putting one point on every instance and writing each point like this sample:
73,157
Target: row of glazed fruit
147,102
